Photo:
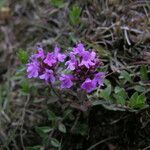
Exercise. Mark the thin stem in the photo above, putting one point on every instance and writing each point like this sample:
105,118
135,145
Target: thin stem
57,94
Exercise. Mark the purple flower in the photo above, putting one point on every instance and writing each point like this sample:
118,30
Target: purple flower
58,55
66,81
99,78
48,76
82,68
33,69
50,59
72,63
92,55
88,85
79,49
87,59
40,53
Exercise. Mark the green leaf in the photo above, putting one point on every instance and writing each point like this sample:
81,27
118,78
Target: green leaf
105,93
143,72
45,129
25,87
20,71
51,115
55,143
137,101
125,75
23,56
42,131
57,3
139,88
62,128
119,99
67,113
134,96
120,91
38,147
120,95
140,101
74,15
133,99
117,89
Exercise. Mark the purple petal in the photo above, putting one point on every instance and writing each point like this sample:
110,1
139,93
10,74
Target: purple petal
72,63
33,69
50,59
58,55
79,49
66,81
88,85
48,76
99,78
40,54
61,57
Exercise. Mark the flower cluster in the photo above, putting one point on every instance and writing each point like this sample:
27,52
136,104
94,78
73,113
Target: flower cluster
44,66
80,64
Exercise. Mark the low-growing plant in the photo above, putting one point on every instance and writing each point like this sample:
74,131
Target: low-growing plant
76,72
75,75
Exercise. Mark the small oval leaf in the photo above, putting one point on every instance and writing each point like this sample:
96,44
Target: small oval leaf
55,143
62,128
